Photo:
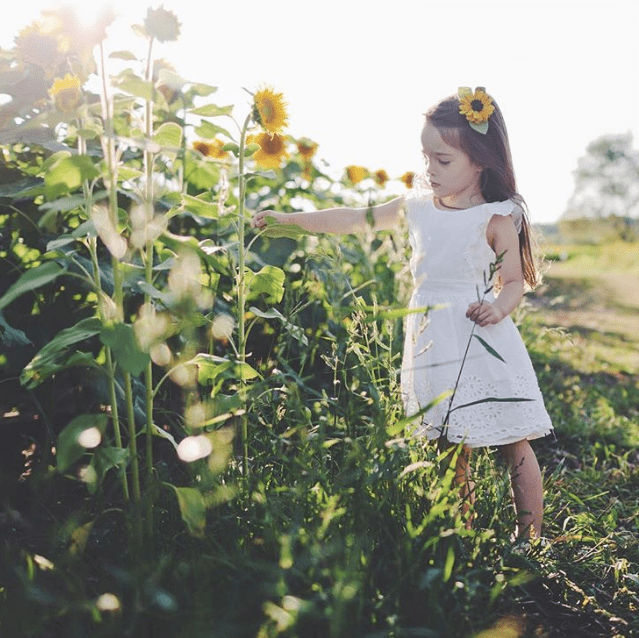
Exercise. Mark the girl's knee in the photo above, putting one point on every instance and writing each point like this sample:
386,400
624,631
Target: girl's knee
515,453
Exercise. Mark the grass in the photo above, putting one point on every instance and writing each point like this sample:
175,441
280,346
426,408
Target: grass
345,531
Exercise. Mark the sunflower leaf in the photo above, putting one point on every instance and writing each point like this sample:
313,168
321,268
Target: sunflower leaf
480,128
212,110
277,230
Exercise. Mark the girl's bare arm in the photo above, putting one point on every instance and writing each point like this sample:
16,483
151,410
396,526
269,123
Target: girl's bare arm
339,220
503,238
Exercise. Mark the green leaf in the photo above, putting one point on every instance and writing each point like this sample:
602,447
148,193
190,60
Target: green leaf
480,128
126,173
121,339
210,367
12,337
192,508
202,175
272,313
199,207
72,202
20,188
269,280
69,448
104,459
276,230
46,362
203,89
31,377
489,348
68,174
212,110
122,55
169,135
232,147
208,130
30,280
136,86
250,149
402,425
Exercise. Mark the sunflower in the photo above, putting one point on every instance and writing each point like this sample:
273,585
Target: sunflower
66,93
306,148
407,178
269,110
477,107
272,150
37,45
356,174
162,24
214,149
381,177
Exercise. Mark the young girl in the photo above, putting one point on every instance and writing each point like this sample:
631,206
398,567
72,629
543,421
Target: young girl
462,213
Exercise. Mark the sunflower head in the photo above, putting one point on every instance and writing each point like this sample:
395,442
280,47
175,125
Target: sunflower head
381,177
36,44
161,24
476,107
356,174
269,110
214,149
408,178
272,149
306,148
66,93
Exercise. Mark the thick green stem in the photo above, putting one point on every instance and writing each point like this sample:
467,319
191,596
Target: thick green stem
148,375
241,293
93,251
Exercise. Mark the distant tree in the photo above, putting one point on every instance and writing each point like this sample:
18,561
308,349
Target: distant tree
606,180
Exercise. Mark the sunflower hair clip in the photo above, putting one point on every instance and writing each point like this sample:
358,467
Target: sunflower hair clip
477,107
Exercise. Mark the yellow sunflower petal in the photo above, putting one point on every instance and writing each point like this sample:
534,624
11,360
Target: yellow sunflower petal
269,110
66,92
272,150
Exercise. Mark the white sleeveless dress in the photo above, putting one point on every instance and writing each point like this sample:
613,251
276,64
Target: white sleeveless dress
449,259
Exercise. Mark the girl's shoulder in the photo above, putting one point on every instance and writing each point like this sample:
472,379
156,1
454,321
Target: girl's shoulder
507,207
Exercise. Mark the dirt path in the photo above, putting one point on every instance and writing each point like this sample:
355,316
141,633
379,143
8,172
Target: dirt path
599,311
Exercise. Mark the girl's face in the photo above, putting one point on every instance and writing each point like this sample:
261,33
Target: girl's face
454,178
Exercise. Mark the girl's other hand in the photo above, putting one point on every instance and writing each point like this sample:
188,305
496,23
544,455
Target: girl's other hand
484,314
259,219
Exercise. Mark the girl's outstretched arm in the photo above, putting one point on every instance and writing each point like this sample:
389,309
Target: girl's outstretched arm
502,236
341,221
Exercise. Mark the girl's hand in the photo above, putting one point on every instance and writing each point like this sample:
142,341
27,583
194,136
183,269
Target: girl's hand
259,219
485,313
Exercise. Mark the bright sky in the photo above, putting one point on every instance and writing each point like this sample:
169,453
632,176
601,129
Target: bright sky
358,75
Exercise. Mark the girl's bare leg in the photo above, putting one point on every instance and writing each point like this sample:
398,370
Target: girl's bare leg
465,483
525,477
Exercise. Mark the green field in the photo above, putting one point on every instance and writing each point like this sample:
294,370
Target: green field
202,426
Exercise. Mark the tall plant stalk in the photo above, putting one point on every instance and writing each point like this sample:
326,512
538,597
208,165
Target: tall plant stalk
148,275
241,290
118,298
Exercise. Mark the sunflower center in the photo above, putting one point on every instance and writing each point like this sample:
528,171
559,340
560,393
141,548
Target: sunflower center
268,111
477,105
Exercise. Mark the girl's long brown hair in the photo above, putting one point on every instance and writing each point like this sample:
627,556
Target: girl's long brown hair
492,152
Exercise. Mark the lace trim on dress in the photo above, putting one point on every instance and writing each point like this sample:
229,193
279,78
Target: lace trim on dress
487,423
